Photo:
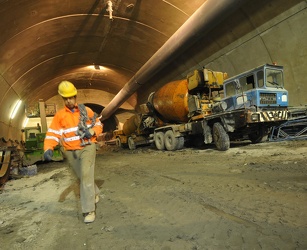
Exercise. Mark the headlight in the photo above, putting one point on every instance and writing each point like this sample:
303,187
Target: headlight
284,98
254,117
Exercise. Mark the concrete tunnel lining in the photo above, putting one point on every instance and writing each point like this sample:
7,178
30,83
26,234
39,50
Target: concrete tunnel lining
286,18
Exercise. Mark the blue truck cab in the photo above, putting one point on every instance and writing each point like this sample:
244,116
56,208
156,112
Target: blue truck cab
260,93
261,88
254,101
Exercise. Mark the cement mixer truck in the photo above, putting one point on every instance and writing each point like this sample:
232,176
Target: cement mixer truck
206,107
137,130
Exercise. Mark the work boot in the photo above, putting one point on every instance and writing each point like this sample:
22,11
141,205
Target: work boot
89,217
97,198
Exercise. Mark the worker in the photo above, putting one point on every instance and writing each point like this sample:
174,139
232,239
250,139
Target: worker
75,128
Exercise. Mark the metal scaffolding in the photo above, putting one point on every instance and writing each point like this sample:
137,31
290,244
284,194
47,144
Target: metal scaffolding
293,129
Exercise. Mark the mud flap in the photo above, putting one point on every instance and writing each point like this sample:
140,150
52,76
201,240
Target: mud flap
207,133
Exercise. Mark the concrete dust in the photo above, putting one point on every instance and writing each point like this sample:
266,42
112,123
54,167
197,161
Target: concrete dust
253,196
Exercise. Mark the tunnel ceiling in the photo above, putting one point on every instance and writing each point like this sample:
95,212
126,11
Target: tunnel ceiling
44,42
99,47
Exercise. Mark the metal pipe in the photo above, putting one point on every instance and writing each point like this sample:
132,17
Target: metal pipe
211,13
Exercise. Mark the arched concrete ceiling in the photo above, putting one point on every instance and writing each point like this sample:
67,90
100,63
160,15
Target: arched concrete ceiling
44,42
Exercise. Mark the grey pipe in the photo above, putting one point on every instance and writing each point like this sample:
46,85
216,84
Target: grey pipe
201,22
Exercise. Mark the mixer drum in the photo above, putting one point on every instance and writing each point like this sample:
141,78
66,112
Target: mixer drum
131,125
171,101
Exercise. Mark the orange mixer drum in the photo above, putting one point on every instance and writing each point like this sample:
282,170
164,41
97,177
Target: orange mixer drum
131,124
171,101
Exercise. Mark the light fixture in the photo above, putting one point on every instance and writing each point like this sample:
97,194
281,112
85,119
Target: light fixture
96,67
110,10
25,122
16,108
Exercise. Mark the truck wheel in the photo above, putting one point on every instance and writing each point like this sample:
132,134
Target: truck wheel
171,142
159,141
220,137
131,143
118,143
180,143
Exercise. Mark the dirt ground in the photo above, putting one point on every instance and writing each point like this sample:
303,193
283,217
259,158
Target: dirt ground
253,196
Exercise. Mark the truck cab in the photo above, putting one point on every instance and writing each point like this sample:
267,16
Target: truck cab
261,89
256,100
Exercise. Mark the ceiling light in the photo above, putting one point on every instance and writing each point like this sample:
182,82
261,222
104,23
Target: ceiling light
110,10
25,122
16,108
96,67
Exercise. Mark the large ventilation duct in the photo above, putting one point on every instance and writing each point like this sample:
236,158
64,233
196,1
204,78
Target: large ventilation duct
211,13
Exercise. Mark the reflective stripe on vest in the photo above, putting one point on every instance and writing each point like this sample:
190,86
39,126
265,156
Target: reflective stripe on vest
57,132
73,129
52,138
74,138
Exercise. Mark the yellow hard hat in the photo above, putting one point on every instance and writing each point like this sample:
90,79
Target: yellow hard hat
67,89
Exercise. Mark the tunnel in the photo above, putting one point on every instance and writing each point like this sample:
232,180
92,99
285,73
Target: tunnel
114,59
119,54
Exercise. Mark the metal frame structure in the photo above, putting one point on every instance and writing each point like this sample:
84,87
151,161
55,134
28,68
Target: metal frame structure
293,129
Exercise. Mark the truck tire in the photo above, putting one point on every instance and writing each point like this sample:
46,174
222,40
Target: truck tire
131,143
180,143
118,143
159,141
171,142
220,137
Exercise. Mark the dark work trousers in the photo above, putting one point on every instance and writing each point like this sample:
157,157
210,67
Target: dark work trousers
83,163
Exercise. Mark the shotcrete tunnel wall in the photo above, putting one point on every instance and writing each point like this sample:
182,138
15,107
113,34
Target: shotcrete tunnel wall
262,32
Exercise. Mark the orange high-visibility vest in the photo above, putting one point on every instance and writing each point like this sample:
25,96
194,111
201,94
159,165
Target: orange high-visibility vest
64,126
